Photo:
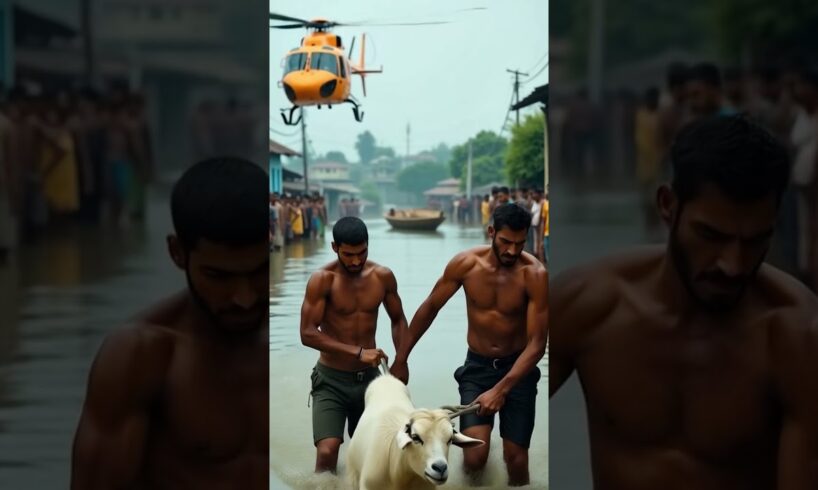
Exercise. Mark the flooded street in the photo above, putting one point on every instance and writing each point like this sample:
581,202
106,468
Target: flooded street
61,295
584,225
418,260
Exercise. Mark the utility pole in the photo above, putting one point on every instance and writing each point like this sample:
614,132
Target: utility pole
517,74
408,133
304,152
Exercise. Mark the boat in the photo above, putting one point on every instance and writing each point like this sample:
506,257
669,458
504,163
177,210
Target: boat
415,219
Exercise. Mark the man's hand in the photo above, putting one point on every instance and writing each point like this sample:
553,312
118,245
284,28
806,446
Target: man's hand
400,370
490,402
373,357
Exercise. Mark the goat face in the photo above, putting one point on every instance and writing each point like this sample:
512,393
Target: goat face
425,441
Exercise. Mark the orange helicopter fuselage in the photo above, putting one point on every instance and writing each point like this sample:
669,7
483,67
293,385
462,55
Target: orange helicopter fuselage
318,72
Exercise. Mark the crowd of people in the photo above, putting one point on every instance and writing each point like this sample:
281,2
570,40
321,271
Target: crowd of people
783,100
535,201
296,218
69,156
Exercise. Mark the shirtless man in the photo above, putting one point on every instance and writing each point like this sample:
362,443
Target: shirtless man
338,319
178,399
506,304
697,360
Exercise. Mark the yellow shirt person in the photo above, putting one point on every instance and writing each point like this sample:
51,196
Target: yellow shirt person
485,211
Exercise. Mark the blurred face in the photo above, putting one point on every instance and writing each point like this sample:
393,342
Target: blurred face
717,244
507,244
502,197
230,283
352,257
702,97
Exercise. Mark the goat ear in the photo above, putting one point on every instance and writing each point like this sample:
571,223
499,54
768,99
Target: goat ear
464,441
402,437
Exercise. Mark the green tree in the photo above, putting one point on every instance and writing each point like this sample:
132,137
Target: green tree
489,148
421,177
366,147
369,191
384,151
442,152
336,156
525,157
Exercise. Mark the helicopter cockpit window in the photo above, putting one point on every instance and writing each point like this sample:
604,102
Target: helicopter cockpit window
343,69
296,61
324,61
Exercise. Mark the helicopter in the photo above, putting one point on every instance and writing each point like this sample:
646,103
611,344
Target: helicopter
319,72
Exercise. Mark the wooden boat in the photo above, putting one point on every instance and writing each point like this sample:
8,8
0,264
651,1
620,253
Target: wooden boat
414,219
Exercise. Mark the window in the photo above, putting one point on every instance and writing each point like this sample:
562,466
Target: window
295,62
343,68
324,61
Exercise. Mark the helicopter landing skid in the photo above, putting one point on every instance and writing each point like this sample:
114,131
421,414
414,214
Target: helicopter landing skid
359,114
288,120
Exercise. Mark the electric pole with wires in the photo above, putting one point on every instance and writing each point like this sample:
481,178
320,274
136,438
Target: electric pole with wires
517,74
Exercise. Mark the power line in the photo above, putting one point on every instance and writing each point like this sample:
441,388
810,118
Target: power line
532,77
544,56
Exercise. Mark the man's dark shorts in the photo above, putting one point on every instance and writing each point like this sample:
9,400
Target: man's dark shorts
478,375
337,396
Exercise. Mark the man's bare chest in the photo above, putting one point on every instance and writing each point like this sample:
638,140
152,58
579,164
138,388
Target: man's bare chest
215,408
348,297
502,292
647,383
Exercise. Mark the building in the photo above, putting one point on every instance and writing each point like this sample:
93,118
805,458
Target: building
277,171
329,171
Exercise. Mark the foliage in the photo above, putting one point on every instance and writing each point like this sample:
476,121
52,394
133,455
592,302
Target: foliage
488,150
369,191
336,156
421,177
525,157
366,147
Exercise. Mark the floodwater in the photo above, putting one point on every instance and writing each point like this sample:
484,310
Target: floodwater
60,296
417,259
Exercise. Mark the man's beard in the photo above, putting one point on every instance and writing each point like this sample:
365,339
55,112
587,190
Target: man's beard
351,271
213,316
500,257
681,263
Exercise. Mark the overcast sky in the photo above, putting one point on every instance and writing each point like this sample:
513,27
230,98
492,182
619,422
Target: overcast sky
447,81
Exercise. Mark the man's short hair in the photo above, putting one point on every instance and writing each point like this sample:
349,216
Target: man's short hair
504,190
223,200
740,157
350,231
512,216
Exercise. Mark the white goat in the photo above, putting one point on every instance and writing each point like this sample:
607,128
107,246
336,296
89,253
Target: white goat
398,447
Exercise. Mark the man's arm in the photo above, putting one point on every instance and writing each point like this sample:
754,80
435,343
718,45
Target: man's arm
797,360
312,314
579,299
394,307
125,379
443,290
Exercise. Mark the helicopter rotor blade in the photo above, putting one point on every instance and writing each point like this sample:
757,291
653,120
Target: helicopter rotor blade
394,23
351,47
288,26
274,16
